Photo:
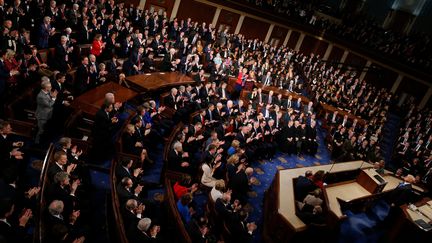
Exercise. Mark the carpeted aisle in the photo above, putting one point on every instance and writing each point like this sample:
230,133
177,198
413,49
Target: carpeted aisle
266,170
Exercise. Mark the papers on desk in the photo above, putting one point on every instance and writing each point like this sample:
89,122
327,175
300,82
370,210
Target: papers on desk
162,73
148,74
422,216
423,225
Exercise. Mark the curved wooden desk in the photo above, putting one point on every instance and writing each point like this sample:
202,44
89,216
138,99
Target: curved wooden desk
280,220
155,81
90,102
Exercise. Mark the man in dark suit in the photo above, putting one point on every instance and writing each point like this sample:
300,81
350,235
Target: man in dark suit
177,159
241,230
61,55
127,190
125,170
304,185
199,77
172,99
64,191
82,80
11,232
141,232
132,213
240,185
137,59
169,59
126,46
102,131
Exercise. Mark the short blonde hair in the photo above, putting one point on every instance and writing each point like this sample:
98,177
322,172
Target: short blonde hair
220,185
9,53
235,143
234,159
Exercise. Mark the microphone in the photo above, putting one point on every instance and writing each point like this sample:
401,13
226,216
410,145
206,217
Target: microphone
328,172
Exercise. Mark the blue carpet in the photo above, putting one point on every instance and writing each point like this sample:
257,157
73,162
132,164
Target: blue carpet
153,173
364,227
100,180
266,170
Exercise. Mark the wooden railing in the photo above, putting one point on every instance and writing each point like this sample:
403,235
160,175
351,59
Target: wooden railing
39,233
120,229
170,200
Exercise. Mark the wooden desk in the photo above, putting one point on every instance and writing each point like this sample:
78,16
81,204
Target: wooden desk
284,92
341,113
425,208
345,191
352,190
155,81
406,230
91,101
287,204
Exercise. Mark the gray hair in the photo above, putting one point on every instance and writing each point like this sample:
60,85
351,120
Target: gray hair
131,204
45,82
56,207
60,176
144,224
64,141
177,145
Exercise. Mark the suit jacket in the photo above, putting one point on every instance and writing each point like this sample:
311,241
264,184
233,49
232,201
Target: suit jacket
102,128
263,80
59,61
129,219
174,159
12,233
170,101
44,107
136,236
44,34
82,77
240,184
53,170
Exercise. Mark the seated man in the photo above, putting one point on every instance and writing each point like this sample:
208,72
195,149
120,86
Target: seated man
304,186
177,159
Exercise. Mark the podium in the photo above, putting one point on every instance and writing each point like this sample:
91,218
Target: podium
371,181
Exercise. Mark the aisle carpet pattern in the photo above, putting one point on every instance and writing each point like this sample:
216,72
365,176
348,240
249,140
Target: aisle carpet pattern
265,171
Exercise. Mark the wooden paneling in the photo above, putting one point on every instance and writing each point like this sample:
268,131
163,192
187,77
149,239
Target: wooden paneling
335,55
228,18
196,11
313,45
279,33
380,77
165,4
355,61
135,3
252,28
412,87
293,39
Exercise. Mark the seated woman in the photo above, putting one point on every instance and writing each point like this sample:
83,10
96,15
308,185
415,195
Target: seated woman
182,187
131,145
185,211
218,190
208,170
310,209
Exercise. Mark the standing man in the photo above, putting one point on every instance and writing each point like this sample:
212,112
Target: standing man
45,101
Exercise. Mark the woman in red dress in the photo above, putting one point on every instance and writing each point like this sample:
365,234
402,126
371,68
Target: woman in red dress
12,65
97,46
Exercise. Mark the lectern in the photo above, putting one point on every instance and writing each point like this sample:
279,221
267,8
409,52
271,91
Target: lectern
370,180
